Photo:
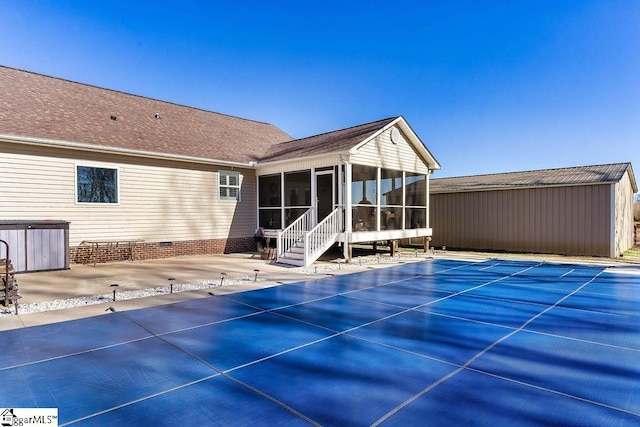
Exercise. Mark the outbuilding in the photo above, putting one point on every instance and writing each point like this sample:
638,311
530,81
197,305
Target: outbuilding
585,210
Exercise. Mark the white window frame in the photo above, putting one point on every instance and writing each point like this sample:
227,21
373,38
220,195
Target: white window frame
224,183
96,166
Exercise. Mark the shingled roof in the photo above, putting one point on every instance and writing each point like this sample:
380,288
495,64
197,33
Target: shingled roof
596,174
52,109
325,143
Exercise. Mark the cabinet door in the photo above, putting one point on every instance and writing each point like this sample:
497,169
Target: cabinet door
15,237
46,249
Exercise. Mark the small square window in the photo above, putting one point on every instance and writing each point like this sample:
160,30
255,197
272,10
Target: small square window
96,185
229,185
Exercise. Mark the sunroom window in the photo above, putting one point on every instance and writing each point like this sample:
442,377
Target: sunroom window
390,199
416,201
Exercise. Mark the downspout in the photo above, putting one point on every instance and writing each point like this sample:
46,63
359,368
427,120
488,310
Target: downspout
427,187
347,208
378,197
257,195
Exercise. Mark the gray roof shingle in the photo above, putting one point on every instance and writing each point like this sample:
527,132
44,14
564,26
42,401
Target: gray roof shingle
325,143
38,106
596,174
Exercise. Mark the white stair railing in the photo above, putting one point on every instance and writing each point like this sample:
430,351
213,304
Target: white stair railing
294,232
322,236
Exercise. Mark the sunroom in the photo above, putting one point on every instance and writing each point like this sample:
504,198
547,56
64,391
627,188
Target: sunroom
368,183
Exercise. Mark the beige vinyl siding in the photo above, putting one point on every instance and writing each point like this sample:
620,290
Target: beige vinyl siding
381,152
565,220
623,215
158,200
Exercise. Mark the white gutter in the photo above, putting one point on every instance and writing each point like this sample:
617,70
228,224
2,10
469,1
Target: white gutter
123,151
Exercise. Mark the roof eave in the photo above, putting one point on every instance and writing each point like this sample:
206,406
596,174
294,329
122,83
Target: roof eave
434,165
632,178
122,151
522,187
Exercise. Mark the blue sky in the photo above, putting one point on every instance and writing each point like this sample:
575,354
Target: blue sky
489,86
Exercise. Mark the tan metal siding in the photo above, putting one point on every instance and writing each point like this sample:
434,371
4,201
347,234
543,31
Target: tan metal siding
158,200
564,220
381,152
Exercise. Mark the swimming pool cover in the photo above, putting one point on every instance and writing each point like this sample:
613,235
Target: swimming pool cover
438,342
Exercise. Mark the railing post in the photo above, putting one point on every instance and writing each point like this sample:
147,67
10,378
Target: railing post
279,250
294,232
306,248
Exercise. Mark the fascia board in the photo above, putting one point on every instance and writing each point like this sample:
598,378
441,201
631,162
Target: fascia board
123,151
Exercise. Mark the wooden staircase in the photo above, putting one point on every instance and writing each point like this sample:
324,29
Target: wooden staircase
302,243
294,255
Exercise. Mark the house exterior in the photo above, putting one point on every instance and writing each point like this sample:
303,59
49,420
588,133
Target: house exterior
140,178
584,210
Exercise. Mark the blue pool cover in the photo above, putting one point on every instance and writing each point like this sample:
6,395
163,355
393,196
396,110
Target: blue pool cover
438,342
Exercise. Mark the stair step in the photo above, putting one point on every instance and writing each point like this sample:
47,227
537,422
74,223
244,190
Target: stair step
296,253
289,261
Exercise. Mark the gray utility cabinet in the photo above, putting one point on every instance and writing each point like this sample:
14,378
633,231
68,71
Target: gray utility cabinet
36,245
